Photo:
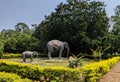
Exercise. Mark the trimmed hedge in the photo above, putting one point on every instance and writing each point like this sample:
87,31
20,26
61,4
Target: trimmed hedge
24,70
10,77
12,55
63,74
94,71
40,73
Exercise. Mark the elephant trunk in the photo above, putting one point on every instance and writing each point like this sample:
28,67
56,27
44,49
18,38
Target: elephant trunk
37,55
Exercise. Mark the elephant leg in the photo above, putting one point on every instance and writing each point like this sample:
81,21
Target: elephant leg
31,58
50,50
49,55
60,52
24,58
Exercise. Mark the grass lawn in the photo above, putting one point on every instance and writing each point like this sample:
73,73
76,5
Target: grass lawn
48,62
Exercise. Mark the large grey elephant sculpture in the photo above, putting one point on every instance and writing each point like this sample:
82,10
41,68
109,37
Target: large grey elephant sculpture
57,45
29,54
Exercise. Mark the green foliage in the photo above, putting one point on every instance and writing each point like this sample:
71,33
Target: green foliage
19,42
6,33
79,22
116,21
26,42
74,61
24,70
10,77
10,45
1,49
22,27
108,40
11,55
1,53
36,72
62,74
94,71
90,72
99,52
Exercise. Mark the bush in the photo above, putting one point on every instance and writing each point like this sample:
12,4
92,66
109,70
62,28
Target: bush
24,70
1,53
74,61
11,55
94,71
10,77
62,74
36,72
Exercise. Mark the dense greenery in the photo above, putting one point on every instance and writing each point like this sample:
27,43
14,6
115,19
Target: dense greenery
116,29
17,41
82,23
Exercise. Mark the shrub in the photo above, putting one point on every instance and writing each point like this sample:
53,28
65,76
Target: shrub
74,61
1,53
11,55
91,72
36,72
97,54
94,71
24,70
63,74
10,77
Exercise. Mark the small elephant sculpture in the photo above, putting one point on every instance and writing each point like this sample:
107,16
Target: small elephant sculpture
57,45
29,54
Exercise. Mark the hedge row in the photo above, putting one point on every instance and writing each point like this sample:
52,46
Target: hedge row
39,73
94,71
11,55
10,77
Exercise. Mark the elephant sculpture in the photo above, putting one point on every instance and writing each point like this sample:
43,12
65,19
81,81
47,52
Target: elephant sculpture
29,54
57,45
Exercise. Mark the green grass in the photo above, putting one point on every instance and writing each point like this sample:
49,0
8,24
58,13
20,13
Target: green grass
48,62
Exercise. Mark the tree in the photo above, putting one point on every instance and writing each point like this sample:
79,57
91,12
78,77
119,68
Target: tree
18,40
116,21
10,45
79,22
22,27
26,42
116,29
7,33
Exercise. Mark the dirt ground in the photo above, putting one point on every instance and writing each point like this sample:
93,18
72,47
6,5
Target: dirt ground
113,75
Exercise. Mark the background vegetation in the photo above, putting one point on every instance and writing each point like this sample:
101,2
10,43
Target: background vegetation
82,23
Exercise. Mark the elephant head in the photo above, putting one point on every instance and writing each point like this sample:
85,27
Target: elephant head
67,47
35,53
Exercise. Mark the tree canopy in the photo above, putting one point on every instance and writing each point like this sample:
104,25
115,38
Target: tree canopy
82,23
116,29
